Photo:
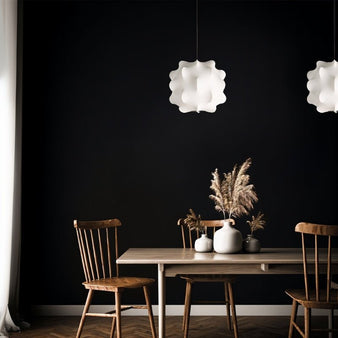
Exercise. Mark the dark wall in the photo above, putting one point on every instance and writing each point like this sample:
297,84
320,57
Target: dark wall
102,140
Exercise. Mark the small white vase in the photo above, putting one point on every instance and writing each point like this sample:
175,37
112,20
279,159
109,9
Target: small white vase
203,244
227,239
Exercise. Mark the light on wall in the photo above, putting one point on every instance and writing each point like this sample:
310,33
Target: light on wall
323,80
197,86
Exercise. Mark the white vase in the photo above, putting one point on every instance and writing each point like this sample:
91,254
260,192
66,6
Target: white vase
227,239
203,244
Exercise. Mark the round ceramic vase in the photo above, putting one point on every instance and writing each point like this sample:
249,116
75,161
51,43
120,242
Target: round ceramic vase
227,239
203,244
251,244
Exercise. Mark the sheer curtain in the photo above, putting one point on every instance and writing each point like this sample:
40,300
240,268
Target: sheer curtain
8,51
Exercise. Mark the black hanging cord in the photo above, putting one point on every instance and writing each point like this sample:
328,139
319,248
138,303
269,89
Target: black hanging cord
196,29
334,29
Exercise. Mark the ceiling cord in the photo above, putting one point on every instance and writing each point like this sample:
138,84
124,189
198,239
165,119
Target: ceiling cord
196,29
334,29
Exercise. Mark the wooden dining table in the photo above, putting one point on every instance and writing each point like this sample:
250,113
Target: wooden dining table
172,262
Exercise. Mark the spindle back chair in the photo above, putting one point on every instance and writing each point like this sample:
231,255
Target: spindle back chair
97,241
317,297
188,238
98,245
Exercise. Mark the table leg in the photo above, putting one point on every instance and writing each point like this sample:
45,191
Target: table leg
161,301
330,320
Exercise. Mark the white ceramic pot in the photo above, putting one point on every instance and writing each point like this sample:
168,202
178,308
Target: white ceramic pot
227,239
203,244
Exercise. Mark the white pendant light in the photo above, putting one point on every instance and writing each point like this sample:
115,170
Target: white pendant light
197,86
323,80
323,86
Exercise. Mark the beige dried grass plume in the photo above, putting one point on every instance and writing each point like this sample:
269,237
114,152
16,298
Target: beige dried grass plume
233,195
193,221
257,222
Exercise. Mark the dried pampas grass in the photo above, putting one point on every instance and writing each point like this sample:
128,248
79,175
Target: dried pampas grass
233,195
193,222
257,222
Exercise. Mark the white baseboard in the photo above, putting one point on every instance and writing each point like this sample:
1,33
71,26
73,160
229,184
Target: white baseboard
176,310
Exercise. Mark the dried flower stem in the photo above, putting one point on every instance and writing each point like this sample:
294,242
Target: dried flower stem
194,222
257,222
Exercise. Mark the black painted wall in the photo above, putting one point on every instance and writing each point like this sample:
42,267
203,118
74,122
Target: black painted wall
102,140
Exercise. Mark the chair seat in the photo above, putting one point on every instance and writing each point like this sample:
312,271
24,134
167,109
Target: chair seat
115,283
209,278
299,296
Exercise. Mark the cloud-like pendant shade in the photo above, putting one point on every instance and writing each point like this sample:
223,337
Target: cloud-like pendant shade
323,86
197,86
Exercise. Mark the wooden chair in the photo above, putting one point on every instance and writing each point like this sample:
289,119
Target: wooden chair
314,298
98,245
188,238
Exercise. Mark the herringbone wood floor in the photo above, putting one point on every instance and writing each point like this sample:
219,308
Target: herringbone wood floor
138,327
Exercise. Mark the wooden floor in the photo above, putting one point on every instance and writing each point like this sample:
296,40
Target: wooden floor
137,327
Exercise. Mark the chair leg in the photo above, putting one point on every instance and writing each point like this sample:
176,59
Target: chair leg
307,322
186,299
233,310
118,313
293,317
227,303
85,310
188,308
112,331
331,322
150,311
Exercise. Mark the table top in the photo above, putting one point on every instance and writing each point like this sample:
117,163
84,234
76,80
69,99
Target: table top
190,256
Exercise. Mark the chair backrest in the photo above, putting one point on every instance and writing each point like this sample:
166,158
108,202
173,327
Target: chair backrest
317,230
98,245
189,236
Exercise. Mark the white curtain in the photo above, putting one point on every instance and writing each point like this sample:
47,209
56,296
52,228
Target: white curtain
8,50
